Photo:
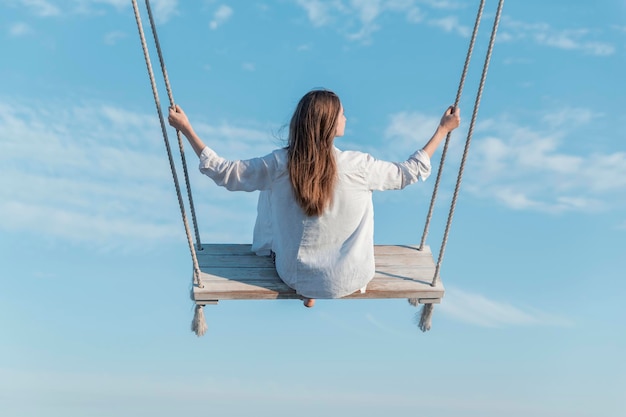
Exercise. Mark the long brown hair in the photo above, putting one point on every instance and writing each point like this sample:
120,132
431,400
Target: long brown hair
311,159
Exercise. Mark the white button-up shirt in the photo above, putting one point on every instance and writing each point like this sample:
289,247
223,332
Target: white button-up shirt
326,256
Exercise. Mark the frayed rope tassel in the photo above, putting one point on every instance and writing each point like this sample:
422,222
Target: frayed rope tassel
426,318
198,324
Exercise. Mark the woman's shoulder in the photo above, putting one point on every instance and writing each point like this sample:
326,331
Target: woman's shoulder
279,155
351,157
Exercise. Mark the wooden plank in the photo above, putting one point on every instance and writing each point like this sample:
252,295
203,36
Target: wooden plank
233,272
240,256
235,290
210,249
402,272
253,261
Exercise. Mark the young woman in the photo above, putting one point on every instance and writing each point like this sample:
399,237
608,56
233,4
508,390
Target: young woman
315,213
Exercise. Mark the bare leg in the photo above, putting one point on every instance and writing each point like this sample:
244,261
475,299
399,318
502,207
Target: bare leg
309,302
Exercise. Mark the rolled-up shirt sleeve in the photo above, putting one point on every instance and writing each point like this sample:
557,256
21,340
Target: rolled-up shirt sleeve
384,175
245,175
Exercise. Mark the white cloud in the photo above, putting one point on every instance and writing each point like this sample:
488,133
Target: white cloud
248,66
42,8
118,4
304,47
20,29
319,12
409,130
543,34
221,16
367,12
567,118
443,4
572,40
162,10
100,174
112,38
414,15
451,24
476,309
530,169
242,142
359,14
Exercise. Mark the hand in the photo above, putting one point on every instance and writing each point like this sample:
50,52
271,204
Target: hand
451,119
178,119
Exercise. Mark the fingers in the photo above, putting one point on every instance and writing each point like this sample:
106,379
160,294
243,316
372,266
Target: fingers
177,118
174,110
451,118
173,117
454,112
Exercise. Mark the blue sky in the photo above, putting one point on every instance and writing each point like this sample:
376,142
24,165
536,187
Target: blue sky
94,266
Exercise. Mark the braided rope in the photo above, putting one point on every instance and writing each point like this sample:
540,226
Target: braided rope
155,93
178,134
479,94
459,91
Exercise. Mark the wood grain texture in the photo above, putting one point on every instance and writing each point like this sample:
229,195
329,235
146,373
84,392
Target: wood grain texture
233,272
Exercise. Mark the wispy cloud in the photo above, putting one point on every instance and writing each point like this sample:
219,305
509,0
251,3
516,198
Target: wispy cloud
544,34
409,131
444,4
476,309
359,17
570,117
20,29
528,168
320,12
112,38
451,24
221,16
367,12
42,8
99,173
163,10
248,66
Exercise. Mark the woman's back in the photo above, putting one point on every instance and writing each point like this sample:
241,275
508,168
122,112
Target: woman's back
330,255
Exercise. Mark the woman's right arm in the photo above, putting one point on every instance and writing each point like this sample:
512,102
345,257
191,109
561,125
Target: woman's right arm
385,175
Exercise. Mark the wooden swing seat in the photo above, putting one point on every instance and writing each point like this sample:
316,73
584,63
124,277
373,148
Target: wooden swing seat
233,272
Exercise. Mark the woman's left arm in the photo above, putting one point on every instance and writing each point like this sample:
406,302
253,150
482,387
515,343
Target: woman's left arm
450,120
178,120
249,175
